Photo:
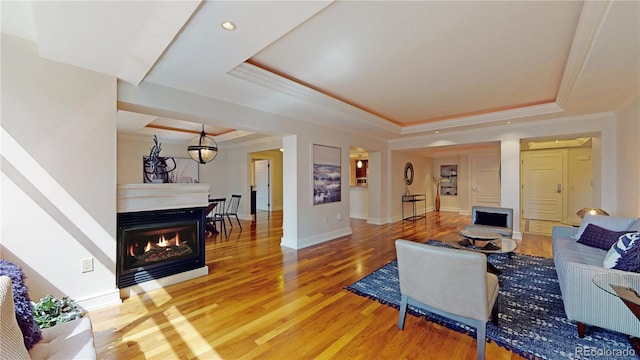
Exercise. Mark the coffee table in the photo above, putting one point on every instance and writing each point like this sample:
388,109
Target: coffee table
502,245
624,286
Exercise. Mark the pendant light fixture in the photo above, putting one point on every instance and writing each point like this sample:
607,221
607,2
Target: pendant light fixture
203,148
359,162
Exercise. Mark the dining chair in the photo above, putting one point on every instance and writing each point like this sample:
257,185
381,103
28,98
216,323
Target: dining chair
233,209
449,282
209,225
218,214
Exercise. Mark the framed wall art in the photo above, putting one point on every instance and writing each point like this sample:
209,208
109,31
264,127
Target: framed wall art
327,180
170,170
448,179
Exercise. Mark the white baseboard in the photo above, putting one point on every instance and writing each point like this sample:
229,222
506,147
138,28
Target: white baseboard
361,216
376,221
98,301
314,240
162,282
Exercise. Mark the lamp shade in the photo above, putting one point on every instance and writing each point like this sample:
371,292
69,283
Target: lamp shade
591,211
203,148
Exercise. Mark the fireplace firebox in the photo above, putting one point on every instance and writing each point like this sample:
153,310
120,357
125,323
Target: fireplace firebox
159,243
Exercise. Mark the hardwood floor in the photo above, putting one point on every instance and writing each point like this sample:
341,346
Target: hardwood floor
262,301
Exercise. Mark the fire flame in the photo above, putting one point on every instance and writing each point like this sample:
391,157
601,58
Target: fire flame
162,242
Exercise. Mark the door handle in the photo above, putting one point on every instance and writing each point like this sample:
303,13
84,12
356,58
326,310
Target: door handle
559,188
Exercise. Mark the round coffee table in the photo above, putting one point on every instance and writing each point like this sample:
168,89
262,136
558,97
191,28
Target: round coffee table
503,244
628,288
486,244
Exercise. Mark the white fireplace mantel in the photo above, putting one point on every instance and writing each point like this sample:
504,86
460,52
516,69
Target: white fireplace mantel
144,197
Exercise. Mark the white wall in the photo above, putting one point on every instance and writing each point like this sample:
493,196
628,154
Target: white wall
422,183
453,202
275,158
58,175
304,224
236,179
628,146
604,150
359,202
579,189
132,149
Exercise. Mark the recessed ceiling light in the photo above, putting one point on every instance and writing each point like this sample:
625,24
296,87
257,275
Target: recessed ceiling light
228,25
437,132
508,122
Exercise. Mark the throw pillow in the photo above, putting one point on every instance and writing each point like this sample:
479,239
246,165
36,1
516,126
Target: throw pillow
491,219
624,254
24,311
598,237
607,222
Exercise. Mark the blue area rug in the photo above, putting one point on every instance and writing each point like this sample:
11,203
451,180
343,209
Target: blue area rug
532,321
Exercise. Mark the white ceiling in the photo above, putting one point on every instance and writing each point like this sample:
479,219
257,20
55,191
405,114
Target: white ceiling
384,68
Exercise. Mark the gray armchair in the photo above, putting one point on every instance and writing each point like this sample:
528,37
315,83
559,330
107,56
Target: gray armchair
449,282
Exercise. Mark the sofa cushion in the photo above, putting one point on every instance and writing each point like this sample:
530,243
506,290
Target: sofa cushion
69,340
624,254
601,238
568,250
23,308
11,341
607,222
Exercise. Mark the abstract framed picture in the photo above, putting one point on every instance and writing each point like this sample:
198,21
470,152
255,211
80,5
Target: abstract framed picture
171,170
327,180
449,180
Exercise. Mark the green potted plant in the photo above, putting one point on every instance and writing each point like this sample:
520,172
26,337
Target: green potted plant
50,311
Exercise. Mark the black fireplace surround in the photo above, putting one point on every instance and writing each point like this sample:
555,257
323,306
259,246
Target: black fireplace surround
159,243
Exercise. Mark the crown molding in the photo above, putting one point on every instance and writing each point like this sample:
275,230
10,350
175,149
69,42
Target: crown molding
276,141
497,116
260,76
589,25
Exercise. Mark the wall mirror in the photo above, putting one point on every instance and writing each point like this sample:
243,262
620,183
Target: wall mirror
408,173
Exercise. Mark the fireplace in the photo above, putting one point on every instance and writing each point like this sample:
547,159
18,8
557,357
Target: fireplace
158,243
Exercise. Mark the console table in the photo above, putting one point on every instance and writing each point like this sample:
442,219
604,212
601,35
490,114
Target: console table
414,200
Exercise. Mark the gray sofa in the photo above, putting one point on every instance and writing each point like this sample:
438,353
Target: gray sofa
584,302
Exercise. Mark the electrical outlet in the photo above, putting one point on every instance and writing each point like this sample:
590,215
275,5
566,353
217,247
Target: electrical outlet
87,265
339,217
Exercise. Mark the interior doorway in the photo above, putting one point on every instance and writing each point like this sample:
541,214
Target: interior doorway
556,181
485,180
263,184
543,184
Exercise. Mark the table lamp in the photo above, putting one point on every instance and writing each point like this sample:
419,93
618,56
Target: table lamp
591,211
